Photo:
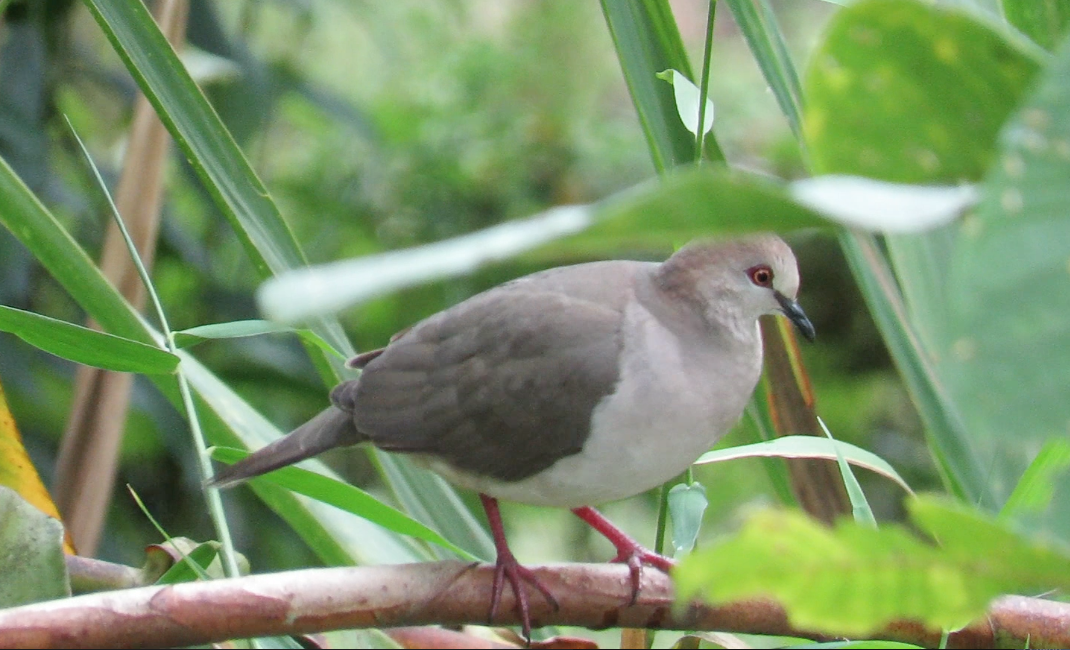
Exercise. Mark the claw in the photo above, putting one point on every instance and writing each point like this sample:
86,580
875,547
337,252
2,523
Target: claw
629,551
507,568
635,557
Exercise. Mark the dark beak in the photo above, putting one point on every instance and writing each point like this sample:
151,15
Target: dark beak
793,311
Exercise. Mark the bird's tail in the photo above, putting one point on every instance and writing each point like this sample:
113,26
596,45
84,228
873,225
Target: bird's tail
333,427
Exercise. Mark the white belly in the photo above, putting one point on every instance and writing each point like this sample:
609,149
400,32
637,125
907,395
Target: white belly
658,421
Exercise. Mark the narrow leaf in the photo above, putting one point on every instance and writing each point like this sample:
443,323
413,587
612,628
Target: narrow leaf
344,496
863,513
240,329
338,538
758,24
226,173
196,128
1035,489
647,42
959,464
84,345
808,447
193,565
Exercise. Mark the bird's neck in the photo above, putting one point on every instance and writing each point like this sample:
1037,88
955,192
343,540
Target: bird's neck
672,295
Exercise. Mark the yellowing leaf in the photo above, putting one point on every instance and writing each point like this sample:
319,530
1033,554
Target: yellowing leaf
17,471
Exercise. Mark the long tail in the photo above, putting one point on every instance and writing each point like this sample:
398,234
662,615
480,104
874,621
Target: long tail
333,427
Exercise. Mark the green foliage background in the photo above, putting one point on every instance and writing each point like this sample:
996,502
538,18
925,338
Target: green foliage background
378,126
375,127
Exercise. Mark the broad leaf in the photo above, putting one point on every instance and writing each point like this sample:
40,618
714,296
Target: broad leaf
903,91
855,579
31,553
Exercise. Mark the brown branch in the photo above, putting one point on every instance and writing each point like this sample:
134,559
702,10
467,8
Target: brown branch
451,593
87,574
816,483
89,452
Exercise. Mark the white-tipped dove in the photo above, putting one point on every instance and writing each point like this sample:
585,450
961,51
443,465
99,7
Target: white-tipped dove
571,387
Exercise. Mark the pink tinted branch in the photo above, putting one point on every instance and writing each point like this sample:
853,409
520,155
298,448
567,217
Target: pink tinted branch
317,600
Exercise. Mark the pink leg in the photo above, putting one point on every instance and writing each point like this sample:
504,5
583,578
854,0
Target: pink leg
507,567
629,551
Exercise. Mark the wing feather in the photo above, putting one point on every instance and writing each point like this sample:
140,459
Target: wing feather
501,385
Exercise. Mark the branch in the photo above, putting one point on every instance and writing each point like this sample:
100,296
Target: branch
449,593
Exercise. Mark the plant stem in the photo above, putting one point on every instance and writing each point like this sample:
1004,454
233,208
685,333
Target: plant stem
704,83
215,504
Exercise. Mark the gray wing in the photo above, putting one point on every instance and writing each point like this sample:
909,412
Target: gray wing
501,385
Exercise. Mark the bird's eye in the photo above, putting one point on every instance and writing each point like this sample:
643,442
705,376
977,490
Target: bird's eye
761,275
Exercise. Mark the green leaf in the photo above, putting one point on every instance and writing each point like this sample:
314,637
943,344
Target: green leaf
694,201
956,457
215,157
344,496
925,111
84,345
863,514
1035,490
758,24
835,62
243,328
905,91
685,204
427,497
202,556
1008,276
230,180
1001,324
647,42
1044,21
807,447
854,579
196,128
687,106
998,550
867,204
338,538
687,504
53,247
31,553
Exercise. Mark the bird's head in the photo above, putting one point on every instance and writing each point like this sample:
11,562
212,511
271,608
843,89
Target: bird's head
733,282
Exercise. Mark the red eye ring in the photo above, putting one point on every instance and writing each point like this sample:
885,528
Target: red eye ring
761,275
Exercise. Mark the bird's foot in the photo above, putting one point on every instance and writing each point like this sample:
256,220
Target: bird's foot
635,556
629,551
507,568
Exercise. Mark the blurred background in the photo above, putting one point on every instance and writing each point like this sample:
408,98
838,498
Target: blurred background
378,126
